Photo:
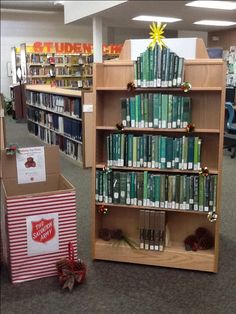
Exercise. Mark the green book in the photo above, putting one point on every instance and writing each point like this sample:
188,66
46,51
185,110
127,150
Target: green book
123,187
164,110
187,205
199,154
118,143
108,153
191,141
145,187
138,150
155,66
159,65
211,193
97,185
170,191
195,154
151,66
134,159
207,193
142,111
132,188
141,151
173,200
167,68
181,192
176,152
150,110
100,185
121,161
138,71
215,179
169,152
160,112
153,151
201,193
184,153
157,152
145,150
127,113
179,110
150,192
149,152
157,186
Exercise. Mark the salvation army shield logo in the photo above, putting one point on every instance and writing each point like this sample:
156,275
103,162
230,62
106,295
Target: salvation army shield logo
43,230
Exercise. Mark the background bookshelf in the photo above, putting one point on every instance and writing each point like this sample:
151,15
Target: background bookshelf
69,70
56,117
207,77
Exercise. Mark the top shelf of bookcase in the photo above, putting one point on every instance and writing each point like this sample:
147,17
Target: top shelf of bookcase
54,90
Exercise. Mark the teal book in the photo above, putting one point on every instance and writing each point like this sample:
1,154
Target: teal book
187,206
150,192
170,111
159,65
181,192
114,150
146,110
195,154
140,188
149,151
211,193
128,188
136,74
121,161
177,191
141,151
142,111
123,187
145,187
127,113
110,186
116,187
177,153
184,153
167,68
207,193
174,111
199,154
163,65
157,152
164,110
196,192
150,110
191,141
97,185
171,69
104,187
145,150
155,66
132,112
134,158
130,149
169,152
179,110
163,191
201,193
138,150
156,104
108,153
100,187
180,71
191,193
170,191
186,111
124,111
137,111
133,197
160,112
118,143
157,185
138,71
153,151
151,67
215,179
163,152
175,74
173,201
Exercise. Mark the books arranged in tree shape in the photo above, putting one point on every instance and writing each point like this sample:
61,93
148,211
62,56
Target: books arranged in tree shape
158,68
178,192
156,110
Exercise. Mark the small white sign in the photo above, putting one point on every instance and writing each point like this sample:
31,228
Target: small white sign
42,234
30,164
87,108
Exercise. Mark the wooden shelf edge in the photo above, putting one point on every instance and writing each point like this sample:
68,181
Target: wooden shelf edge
180,130
171,257
53,90
179,171
159,89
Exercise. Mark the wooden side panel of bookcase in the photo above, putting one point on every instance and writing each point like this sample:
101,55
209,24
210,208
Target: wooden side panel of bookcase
88,134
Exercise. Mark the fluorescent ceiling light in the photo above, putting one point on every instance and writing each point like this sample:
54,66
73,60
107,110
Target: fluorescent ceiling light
221,5
148,18
27,11
215,23
58,2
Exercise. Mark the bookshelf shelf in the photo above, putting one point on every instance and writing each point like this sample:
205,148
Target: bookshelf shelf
150,208
174,256
110,95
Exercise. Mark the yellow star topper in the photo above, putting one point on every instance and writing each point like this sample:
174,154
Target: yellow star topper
156,34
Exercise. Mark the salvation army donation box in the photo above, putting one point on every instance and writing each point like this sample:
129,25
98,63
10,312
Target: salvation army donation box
38,214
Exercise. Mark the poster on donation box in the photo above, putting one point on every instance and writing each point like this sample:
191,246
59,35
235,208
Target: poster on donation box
30,164
42,234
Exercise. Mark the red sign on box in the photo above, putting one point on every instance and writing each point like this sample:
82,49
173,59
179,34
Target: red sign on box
43,230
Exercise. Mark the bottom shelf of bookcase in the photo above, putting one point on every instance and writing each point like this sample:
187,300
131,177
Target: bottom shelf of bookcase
174,256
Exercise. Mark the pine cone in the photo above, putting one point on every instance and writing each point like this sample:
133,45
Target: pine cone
191,243
117,234
105,234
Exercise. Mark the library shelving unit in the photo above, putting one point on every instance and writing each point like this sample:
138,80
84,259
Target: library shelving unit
55,115
71,70
207,96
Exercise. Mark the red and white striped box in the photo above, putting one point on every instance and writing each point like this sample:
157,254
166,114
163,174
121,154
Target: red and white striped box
37,226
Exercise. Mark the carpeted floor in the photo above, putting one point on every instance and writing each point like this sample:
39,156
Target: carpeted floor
126,288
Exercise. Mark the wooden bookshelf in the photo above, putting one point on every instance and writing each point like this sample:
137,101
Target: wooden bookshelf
76,146
207,78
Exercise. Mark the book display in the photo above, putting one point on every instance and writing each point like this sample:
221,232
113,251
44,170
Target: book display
230,57
55,116
158,155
